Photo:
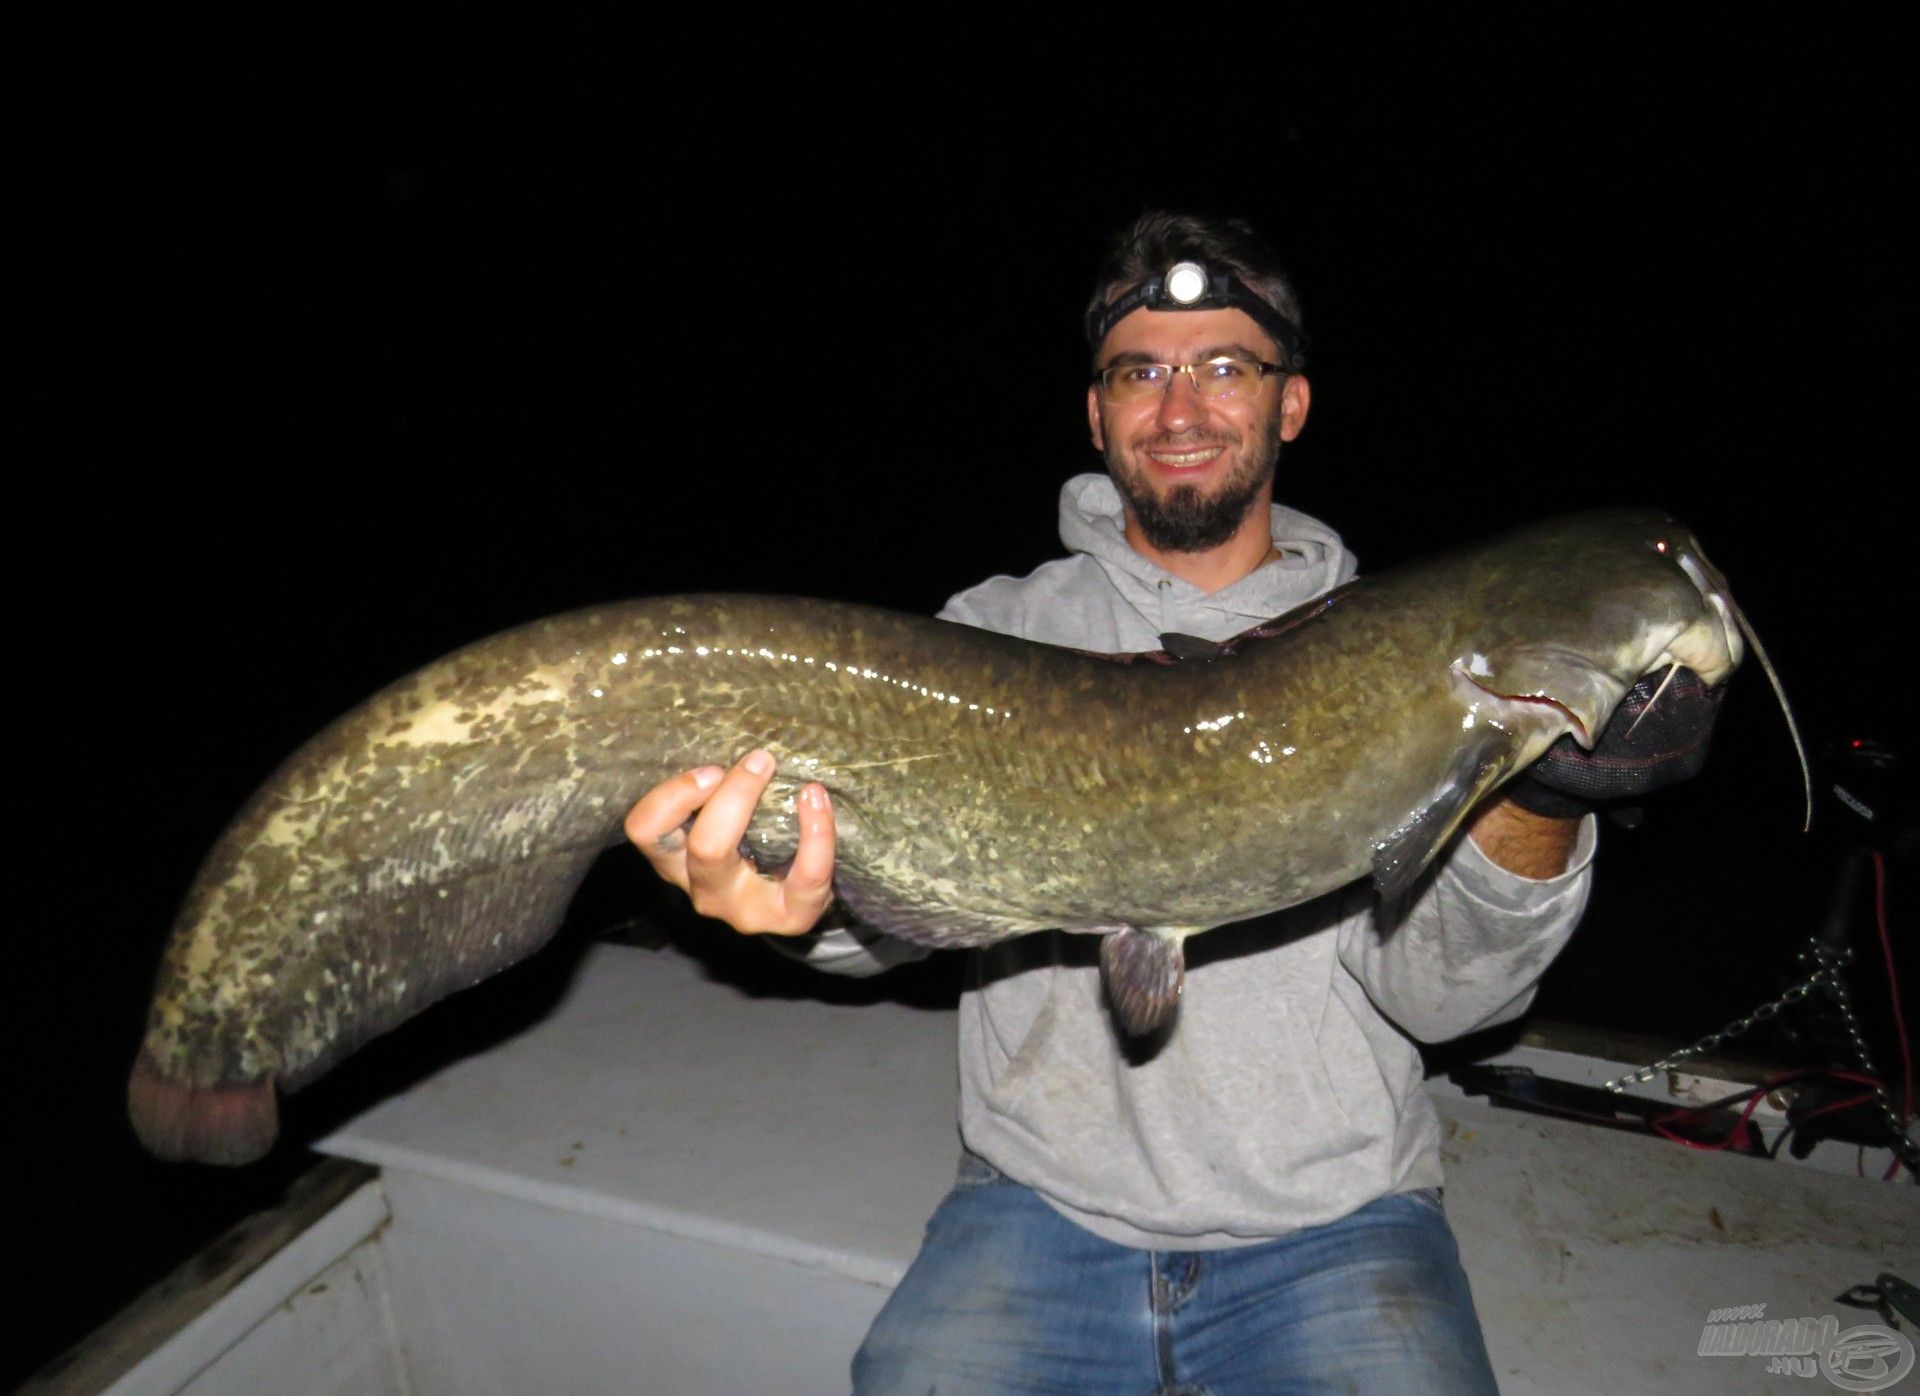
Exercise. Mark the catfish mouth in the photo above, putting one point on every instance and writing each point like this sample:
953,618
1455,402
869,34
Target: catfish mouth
1712,650
1737,635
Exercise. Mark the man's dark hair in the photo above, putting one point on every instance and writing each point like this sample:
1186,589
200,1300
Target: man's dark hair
1157,240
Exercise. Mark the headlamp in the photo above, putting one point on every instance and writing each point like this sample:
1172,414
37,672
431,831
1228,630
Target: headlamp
1185,282
1190,286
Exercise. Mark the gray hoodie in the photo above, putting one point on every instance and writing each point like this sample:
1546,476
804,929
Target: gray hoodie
1288,1093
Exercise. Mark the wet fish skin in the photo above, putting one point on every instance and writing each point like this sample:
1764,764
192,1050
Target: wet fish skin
983,786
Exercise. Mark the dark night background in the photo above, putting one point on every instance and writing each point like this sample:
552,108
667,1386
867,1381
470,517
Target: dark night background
344,350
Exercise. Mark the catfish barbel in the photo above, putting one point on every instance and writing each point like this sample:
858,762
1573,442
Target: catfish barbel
983,786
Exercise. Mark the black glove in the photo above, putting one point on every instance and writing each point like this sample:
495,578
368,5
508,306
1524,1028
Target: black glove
1669,745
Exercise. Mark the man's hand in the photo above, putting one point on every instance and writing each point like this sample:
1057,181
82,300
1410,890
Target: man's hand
1657,736
703,859
1654,738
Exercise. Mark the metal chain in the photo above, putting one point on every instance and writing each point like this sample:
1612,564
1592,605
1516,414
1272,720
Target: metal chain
1903,1145
1826,974
1738,1025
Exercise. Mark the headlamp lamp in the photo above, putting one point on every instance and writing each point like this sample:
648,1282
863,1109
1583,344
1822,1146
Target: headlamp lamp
1190,286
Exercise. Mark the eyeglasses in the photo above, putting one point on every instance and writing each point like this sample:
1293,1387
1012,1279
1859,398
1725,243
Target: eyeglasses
1222,377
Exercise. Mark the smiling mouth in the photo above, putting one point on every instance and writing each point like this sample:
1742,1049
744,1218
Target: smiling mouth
1186,460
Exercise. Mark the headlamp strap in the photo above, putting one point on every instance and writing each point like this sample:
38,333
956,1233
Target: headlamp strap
1224,291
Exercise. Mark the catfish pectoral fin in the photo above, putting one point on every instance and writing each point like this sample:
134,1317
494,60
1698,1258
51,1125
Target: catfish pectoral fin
1400,858
178,1121
1144,969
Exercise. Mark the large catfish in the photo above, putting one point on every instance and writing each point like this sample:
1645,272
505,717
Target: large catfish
984,786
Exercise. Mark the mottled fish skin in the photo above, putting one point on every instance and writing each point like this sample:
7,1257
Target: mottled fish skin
983,786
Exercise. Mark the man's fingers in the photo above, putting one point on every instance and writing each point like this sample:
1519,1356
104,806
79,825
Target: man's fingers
654,824
713,843
792,903
809,881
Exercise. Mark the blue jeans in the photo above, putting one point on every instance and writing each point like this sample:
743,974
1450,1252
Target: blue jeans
1008,1296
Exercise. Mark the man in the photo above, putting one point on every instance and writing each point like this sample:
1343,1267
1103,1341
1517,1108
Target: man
1254,1206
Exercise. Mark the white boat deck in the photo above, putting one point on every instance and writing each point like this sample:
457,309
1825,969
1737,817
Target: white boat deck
667,1179
664,1186
654,1097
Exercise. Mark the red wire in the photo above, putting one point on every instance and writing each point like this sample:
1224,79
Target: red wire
1738,1130
1893,982
1773,1083
1846,1104
1687,1143
1893,988
1754,1098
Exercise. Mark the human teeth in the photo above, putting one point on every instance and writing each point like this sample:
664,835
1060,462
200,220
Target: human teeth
1189,458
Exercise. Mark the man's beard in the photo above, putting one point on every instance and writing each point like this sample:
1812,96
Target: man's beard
1187,520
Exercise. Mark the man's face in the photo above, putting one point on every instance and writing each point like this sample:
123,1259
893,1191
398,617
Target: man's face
1191,468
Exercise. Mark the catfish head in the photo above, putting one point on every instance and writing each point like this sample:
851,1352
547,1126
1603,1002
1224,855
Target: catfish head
1571,614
